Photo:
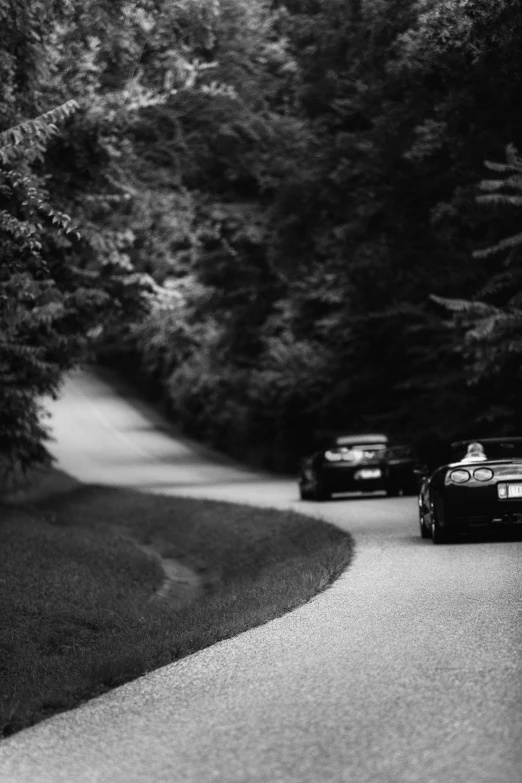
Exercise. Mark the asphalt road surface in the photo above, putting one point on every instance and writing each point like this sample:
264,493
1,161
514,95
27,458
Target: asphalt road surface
409,669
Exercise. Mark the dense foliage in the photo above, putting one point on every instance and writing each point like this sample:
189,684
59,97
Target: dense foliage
61,279
287,193
491,323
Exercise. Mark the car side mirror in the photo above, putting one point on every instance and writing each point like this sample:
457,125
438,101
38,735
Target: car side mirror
421,472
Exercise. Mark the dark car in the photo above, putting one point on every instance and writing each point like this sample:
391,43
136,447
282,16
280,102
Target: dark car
479,489
357,463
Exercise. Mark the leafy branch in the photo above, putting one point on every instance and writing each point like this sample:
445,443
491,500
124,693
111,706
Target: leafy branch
28,140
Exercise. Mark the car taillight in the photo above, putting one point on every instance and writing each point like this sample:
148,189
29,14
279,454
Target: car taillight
459,476
502,490
333,456
483,474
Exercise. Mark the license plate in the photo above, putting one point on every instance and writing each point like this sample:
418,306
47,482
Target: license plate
514,490
368,473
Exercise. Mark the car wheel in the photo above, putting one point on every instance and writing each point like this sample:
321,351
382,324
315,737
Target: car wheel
305,494
321,493
393,491
438,534
424,531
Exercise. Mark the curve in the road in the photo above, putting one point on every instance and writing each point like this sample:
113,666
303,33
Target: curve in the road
407,670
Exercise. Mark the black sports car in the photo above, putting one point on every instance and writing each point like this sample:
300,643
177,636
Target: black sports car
357,463
480,488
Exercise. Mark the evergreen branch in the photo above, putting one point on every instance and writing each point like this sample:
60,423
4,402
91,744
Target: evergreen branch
491,184
504,244
500,198
512,156
497,284
465,306
497,326
500,167
514,182
486,327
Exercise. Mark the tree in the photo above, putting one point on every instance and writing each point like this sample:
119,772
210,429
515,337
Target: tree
37,339
53,294
490,325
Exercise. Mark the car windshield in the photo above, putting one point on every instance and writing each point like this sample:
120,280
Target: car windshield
487,449
399,452
367,448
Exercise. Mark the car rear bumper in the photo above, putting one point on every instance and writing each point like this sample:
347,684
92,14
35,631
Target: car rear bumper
486,511
345,480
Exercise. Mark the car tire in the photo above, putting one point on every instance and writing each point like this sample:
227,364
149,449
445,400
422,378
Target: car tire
424,531
393,491
438,534
321,493
303,494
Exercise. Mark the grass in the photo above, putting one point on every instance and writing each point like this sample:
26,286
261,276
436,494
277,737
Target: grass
79,610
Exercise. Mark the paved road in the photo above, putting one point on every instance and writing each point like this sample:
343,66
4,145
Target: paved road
408,670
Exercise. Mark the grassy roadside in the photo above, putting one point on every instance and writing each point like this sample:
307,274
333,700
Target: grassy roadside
80,601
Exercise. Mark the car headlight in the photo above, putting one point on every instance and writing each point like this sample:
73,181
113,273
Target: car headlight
459,476
333,456
483,474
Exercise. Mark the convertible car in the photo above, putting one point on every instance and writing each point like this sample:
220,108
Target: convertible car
357,463
480,488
